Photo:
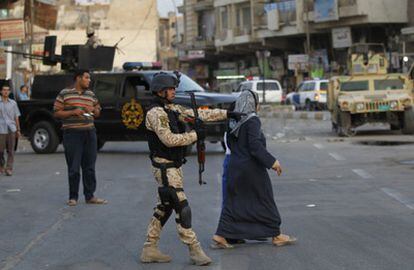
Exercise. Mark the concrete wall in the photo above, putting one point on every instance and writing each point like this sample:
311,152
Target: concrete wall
384,11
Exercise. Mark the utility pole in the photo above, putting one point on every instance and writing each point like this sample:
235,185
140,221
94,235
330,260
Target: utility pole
308,46
32,13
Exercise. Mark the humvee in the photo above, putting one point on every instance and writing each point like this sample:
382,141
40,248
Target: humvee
370,94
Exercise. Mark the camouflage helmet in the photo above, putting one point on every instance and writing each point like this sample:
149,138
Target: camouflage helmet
163,80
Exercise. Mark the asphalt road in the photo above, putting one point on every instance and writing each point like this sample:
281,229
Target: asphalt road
348,201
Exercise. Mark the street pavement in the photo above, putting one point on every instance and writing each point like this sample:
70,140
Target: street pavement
349,201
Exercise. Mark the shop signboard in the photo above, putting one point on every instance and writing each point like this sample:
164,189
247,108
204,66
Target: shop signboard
196,54
11,30
326,10
341,37
298,61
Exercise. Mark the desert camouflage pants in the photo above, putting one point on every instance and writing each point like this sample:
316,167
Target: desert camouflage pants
175,179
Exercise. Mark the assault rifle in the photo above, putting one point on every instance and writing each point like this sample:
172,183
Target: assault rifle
201,147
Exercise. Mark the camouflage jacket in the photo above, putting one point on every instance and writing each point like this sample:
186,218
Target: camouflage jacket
157,121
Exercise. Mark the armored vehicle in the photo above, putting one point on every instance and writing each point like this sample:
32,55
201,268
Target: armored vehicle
370,94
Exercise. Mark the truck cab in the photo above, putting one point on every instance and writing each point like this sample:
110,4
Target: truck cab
123,96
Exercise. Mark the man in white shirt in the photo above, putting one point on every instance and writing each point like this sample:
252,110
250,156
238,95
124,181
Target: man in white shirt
9,129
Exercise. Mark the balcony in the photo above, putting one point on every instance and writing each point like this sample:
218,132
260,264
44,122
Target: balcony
202,42
203,5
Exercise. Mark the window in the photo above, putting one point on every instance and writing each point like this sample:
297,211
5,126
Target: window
105,88
268,86
310,86
135,85
354,86
324,86
224,18
300,88
394,84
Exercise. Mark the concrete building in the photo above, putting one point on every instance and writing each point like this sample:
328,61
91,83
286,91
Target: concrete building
170,41
322,29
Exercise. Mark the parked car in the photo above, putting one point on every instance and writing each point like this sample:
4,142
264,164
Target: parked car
309,95
273,89
123,97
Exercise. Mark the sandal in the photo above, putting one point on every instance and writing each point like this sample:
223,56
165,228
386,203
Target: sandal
283,240
217,244
72,202
95,200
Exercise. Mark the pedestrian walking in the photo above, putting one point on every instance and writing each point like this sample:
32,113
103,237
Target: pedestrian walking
77,108
249,211
9,130
167,141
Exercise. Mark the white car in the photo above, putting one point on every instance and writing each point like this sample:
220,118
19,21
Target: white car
273,90
309,95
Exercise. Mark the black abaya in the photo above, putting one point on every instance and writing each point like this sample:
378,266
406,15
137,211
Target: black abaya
249,211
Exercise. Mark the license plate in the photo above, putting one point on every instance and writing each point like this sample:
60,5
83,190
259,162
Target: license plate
384,107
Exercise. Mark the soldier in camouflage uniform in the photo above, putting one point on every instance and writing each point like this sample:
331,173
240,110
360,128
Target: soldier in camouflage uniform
167,140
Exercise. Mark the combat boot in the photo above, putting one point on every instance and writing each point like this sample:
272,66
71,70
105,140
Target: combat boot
197,255
151,254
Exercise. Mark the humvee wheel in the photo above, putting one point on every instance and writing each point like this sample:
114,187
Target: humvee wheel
408,122
344,125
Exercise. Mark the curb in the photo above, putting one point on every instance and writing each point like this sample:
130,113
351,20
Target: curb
320,116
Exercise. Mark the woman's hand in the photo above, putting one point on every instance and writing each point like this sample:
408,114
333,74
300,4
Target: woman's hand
277,167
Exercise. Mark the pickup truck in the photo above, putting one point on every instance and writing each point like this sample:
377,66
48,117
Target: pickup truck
123,97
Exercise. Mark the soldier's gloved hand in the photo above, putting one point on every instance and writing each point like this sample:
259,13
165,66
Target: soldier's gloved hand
235,115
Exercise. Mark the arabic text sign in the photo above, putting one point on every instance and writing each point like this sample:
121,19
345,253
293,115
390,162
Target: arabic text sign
341,37
11,29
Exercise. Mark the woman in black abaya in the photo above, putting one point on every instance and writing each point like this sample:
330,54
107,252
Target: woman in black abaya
249,211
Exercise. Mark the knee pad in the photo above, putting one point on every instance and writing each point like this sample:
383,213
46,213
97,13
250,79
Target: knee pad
185,215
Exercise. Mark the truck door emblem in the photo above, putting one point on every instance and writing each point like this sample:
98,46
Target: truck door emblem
132,114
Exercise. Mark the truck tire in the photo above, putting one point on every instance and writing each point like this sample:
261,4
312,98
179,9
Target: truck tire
408,122
344,125
44,138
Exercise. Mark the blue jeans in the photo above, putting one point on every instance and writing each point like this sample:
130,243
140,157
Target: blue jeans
224,178
81,152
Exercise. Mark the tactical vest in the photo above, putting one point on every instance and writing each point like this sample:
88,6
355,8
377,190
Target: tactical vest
157,148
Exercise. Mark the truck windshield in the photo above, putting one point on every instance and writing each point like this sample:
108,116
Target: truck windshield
354,86
187,84
393,84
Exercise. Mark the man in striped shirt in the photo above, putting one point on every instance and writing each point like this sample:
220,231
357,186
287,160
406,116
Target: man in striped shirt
77,107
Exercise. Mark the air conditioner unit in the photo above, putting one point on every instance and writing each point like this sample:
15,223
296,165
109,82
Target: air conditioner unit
273,20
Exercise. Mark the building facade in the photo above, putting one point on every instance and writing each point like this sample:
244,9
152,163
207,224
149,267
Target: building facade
285,39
